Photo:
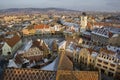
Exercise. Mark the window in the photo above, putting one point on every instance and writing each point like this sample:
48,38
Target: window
105,67
113,58
111,69
99,60
107,57
105,62
113,65
98,64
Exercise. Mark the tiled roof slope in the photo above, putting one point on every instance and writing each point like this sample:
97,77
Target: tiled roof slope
29,74
65,63
77,75
12,41
37,74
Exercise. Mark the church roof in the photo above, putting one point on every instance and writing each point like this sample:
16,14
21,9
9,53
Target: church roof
37,74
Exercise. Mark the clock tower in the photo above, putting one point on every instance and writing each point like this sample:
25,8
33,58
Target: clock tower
83,23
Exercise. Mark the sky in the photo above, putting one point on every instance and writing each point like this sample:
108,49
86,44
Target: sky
82,5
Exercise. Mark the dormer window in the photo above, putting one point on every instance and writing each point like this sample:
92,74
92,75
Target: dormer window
107,57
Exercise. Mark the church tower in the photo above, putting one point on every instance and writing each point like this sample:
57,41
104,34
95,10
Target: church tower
83,23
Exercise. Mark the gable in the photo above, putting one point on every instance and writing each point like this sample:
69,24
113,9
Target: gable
6,46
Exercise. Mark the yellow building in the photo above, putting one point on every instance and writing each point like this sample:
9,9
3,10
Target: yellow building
108,63
86,56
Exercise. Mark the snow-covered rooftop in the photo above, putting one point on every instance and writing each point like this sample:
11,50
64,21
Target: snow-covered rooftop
12,64
52,66
102,32
62,45
113,48
94,54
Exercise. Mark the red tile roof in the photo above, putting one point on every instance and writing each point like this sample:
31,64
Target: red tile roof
41,26
12,41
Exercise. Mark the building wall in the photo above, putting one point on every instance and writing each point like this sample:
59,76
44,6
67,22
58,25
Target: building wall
107,64
84,57
5,49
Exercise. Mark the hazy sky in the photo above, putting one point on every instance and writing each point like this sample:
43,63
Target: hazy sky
99,5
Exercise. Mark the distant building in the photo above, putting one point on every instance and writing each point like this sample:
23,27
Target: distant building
83,22
28,32
42,29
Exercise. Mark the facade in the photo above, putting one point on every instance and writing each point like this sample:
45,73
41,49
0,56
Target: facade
108,63
105,61
86,56
100,36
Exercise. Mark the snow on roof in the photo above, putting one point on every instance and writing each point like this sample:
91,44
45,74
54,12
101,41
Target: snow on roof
48,42
45,60
102,32
68,50
12,64
26,61
114,30
78,49
62,44
52,66
70,46
28,45
113,48
115,35
87,33
94,54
